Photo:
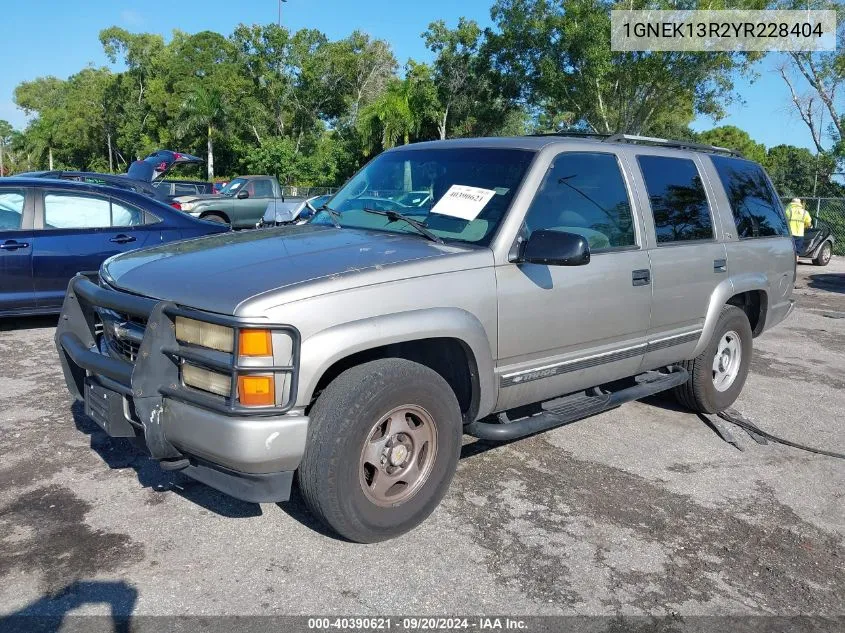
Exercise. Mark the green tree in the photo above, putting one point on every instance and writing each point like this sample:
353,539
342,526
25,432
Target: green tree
732,137
204,109
796,171
560,51
6,131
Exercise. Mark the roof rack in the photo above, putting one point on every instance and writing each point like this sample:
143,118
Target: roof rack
662,142
573,134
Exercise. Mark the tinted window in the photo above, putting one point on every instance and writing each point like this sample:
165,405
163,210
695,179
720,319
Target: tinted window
584,193
73,211
184,189
11,208
677,197
125,215
756,210
263,189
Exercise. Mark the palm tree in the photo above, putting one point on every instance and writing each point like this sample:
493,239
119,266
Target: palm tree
389,119
204,109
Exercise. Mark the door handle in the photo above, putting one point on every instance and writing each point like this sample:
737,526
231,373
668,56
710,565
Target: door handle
720,265
122,239
641,277
12,245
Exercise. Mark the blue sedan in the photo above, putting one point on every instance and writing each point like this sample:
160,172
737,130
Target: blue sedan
52,229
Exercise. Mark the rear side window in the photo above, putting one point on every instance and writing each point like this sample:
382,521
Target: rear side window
125,215
584,193
757,211
678,201
184,189
11,209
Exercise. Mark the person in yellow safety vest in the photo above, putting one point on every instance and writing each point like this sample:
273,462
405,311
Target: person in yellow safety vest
799,219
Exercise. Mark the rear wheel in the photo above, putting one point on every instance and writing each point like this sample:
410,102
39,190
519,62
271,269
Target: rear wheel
718,374
383,444
823,258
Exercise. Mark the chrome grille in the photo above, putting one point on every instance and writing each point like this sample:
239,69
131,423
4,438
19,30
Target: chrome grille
123,334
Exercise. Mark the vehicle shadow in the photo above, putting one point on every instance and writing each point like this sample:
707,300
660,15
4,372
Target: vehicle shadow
10,324
831,282
296,509
48,613
122,453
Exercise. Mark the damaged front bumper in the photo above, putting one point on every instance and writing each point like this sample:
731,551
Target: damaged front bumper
248,453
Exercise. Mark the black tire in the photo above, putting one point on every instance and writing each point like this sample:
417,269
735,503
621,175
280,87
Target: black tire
340,424
699,393
823,258
215,217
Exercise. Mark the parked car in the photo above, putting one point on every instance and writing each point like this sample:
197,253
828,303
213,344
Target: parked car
218,186
291,211
548,279
241,203
141,177
178,188
51,229
818,243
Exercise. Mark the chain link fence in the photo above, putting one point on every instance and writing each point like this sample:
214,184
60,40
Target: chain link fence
831,211
306,192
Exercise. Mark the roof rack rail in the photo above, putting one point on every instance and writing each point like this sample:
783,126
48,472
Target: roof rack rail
663,142
574,134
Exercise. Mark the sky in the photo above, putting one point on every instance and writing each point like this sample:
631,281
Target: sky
56,37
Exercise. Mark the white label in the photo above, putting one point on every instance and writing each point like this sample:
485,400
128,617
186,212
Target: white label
463,202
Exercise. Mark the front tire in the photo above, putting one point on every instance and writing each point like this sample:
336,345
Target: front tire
215,217
823,258
384,440
718,374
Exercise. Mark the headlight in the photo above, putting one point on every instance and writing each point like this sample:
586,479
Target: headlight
209,335
206,380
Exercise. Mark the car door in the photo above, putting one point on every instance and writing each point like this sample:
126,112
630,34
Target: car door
562,329
76,231
16,290
252,209
688,259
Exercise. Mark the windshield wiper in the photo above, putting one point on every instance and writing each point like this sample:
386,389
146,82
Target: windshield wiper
394,216
333,214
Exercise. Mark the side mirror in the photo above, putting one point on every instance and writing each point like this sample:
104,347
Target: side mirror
243,194
556,248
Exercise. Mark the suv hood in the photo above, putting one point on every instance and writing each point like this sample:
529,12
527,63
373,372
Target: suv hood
220,272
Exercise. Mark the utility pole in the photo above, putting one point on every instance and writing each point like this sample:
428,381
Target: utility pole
280,12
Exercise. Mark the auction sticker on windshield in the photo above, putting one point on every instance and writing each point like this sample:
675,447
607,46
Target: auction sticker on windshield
463,202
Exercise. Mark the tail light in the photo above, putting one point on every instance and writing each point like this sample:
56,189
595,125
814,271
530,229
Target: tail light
176,206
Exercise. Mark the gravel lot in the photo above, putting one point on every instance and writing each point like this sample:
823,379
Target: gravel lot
642,510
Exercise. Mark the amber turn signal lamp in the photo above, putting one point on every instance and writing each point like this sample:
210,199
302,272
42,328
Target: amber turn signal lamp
256,391
255,343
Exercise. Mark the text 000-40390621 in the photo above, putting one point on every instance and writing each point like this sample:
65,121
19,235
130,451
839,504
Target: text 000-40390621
723,31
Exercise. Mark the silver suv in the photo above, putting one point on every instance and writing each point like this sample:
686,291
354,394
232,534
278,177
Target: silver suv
545,279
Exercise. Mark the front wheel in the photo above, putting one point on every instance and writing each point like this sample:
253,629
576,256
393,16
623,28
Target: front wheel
823,258
718,374
215,217
383,444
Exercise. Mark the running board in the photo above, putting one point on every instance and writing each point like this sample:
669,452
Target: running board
577,406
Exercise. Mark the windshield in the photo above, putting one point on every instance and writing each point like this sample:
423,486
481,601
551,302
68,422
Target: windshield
232,188
456,193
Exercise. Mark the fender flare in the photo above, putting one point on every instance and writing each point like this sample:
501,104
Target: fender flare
323,349
724,291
